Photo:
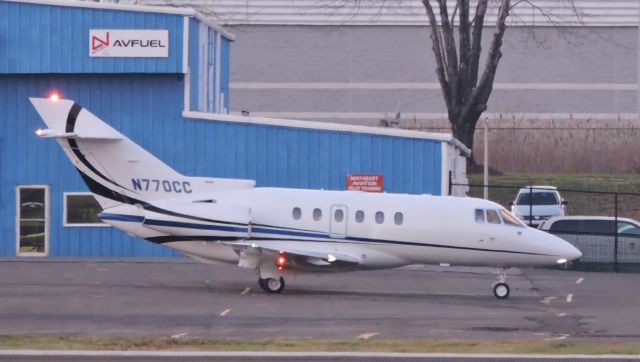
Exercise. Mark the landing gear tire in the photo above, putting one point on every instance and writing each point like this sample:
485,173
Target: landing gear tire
501,290
271,285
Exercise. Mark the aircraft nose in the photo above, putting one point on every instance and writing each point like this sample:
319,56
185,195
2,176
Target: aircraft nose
566,250
561,248
572,252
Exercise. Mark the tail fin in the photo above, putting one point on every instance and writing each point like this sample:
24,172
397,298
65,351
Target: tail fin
115,169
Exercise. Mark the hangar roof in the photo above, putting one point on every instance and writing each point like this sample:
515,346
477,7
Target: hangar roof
186,11
326,126
405,12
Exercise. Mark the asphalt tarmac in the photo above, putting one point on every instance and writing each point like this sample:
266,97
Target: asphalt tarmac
102,356
183,299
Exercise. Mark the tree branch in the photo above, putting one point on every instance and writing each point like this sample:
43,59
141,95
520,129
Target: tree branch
476,43
453,16
464,34
449,44
436,46
477,102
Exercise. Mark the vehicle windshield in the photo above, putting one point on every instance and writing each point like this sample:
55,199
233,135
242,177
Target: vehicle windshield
509,219
539,198
625,228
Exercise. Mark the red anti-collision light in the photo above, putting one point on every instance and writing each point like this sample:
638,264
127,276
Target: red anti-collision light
281,261
54,97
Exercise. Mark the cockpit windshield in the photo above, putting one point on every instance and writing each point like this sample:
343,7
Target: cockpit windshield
492,217
500,216
509,219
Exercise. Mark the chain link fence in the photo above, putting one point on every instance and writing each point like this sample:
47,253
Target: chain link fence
602,225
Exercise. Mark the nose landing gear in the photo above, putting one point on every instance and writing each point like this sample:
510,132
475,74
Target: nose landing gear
501,288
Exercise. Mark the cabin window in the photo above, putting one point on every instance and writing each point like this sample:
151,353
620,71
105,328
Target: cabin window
297,213
493,217
379,217
398,218
480,216
317,214
359,216
338,215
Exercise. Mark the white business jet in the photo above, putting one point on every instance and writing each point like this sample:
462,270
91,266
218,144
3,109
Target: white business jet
280,232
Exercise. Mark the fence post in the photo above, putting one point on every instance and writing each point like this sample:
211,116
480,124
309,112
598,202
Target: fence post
530,206
486,159
615,242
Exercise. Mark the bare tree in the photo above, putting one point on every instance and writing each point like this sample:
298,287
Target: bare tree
465,88
465,94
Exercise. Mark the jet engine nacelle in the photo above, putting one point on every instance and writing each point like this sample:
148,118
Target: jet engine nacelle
199,219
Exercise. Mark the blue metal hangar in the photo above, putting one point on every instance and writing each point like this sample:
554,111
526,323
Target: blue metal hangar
160,75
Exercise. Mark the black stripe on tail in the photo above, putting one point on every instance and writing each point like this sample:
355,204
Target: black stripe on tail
70,126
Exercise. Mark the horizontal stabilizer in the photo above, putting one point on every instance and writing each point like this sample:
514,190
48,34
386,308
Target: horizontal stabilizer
57,115
56,133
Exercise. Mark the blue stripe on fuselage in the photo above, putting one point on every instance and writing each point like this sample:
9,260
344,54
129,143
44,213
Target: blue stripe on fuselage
120,217
188,225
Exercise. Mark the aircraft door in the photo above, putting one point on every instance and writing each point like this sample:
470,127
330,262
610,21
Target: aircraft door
338,224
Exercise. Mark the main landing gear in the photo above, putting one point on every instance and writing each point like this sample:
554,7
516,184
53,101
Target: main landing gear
269,277
501,288
272,285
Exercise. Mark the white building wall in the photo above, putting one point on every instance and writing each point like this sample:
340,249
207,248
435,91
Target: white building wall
404,12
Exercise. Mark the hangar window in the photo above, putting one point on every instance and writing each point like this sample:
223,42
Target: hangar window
32,219
297,213
379,217
359,216
479,215
398,218
81,209
317,214
493,217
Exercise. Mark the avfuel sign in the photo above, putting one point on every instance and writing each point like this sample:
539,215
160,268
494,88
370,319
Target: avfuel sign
134,43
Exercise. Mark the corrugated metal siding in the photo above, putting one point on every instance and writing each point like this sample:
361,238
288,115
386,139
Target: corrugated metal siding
404,12
315,159
143,108
194,63
203,59
225,71
55,39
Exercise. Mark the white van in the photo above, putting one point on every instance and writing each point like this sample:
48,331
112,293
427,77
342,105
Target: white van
591,225
534,204
595,237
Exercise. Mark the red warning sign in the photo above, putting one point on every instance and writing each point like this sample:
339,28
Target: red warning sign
364,182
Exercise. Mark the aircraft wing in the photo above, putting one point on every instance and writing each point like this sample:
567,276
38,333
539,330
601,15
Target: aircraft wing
298,257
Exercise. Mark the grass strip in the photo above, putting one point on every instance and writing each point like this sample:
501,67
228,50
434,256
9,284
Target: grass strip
47,342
